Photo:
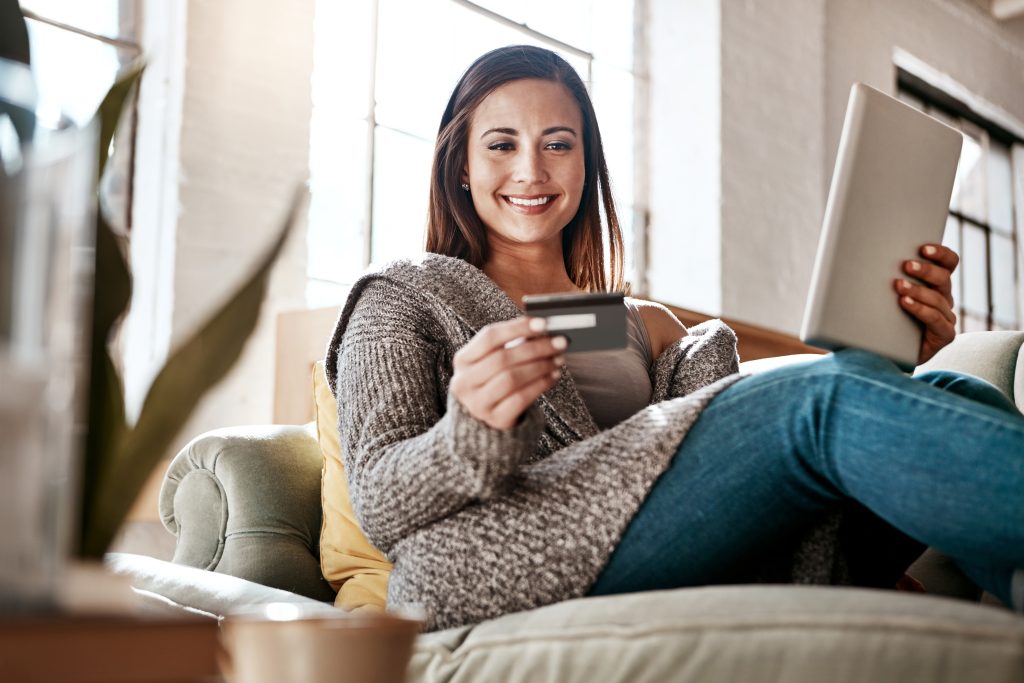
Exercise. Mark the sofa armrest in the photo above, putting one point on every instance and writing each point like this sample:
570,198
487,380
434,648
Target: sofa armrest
997,357
245,501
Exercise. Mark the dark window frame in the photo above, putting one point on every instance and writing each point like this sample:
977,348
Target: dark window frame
939,100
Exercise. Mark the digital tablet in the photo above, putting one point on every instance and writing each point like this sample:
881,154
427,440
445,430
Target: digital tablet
589,321
890,194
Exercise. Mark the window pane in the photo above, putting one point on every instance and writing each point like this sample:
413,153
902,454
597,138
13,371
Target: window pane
564,20
411,94
320,294
974,266
95,16
612,27
339,187
1000,188
73,72
974,323
516,10
401,184
612,93
342,55
969,189
1004,291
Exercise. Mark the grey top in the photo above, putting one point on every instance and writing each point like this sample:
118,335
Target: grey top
480,522
615,384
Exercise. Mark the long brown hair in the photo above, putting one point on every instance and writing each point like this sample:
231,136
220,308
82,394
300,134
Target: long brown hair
453,226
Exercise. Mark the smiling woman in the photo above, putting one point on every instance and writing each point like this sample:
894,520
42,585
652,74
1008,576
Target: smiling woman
482,456
529,147
525,174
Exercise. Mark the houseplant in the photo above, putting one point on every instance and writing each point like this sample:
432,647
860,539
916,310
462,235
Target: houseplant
117,457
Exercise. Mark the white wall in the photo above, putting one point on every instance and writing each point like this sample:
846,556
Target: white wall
957,38
684,149
775,98
773,57
244,146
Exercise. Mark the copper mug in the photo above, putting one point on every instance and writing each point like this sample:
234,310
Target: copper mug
288,643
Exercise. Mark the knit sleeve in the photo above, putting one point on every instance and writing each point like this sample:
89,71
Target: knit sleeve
705,355
412,454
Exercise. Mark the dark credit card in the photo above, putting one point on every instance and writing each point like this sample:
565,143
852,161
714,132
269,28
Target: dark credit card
590,321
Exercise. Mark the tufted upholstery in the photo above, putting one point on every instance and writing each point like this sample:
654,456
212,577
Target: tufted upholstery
246,502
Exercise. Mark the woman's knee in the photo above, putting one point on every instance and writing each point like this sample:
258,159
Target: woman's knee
967,386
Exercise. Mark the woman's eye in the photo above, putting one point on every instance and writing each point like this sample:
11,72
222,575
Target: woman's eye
500,146
559,145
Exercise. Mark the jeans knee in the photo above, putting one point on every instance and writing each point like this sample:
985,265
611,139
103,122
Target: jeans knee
953,381
856,362
967,386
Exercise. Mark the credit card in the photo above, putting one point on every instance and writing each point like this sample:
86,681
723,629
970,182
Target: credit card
591,321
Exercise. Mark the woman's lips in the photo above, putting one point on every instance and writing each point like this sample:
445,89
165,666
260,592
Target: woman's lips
530,204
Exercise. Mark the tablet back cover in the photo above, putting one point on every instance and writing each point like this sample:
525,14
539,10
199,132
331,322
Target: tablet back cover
890,194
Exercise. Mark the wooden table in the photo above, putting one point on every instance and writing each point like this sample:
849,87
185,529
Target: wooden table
108,649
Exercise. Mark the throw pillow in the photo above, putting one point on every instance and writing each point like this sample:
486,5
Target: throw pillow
349,562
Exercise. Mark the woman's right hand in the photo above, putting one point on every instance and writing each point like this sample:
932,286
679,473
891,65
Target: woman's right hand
504,368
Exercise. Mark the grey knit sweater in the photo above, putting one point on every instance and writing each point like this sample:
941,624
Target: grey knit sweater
481,522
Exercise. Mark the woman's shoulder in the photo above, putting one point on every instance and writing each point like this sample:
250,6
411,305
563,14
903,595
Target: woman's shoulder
663,328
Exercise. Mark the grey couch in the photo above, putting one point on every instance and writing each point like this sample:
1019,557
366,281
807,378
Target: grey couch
244,504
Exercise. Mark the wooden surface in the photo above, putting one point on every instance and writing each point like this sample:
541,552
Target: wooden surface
301,341
108,649
754,342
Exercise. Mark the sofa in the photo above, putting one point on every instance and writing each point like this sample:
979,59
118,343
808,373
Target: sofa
244,504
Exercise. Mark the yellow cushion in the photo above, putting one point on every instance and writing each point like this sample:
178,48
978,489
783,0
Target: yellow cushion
349,562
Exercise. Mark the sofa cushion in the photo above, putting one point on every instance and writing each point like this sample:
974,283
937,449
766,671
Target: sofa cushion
734,633
727,633
349,562
165,586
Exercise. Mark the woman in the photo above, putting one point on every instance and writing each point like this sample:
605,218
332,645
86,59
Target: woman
496,481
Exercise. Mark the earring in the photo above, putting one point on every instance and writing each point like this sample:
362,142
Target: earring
465,186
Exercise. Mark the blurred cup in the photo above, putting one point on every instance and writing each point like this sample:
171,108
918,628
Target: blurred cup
47,229
288,643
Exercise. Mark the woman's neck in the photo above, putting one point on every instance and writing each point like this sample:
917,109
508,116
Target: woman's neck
528,272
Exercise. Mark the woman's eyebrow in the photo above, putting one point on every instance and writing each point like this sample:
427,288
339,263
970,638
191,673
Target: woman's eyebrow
513,131
560,129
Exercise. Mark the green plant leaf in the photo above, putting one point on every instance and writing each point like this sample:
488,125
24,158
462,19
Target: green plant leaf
112,290
112,106
198,364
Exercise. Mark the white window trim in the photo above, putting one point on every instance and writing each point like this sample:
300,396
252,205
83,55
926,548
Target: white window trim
147,328
982,107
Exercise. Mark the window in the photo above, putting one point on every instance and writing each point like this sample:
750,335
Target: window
383,71
981,225
77,49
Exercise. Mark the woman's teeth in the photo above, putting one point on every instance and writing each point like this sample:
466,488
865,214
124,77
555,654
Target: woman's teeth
528,202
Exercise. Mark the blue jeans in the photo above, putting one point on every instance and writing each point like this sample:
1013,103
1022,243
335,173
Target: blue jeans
936,460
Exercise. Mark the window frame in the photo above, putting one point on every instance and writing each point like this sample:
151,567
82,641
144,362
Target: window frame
938,99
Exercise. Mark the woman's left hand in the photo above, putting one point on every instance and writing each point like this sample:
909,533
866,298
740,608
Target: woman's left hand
930,303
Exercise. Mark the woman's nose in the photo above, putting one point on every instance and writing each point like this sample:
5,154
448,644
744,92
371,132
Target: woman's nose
530,167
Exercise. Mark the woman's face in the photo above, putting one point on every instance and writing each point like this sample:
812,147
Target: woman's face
525,165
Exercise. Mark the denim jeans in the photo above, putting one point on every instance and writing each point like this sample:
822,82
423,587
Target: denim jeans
939,458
